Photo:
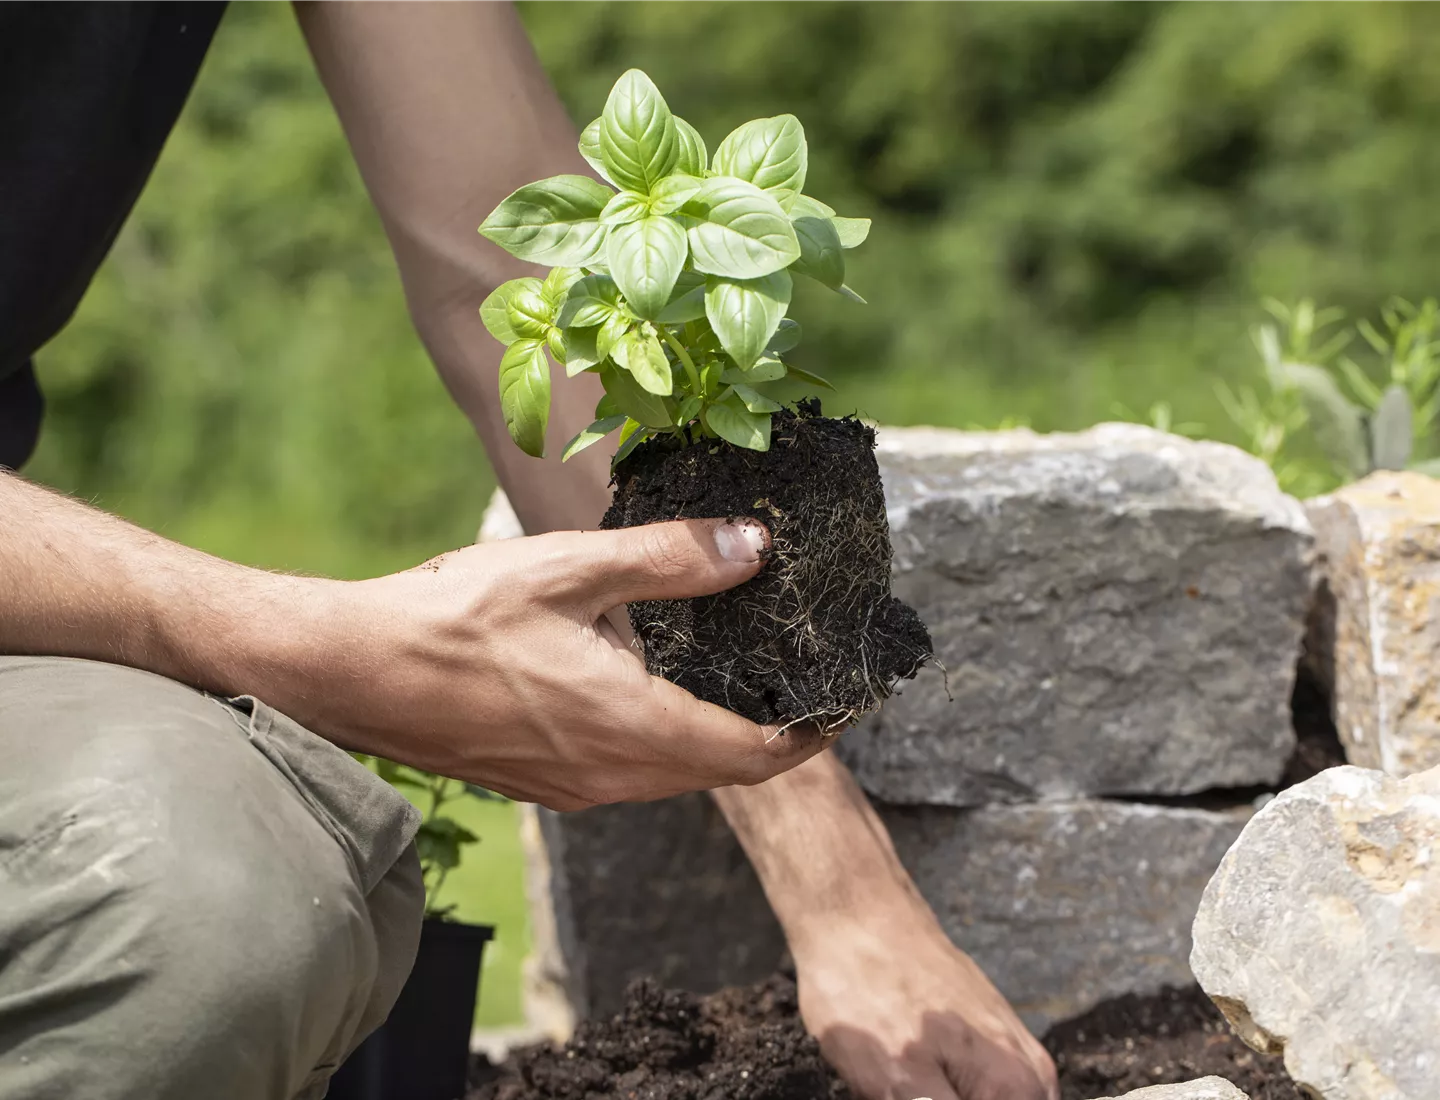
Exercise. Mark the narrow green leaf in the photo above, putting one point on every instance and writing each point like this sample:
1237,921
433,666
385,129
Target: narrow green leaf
628,443
846,292
687,300
640,353
673,192
754,400
745,313
484,794
693,159
492,310
590,301
786,337
851,231
637,403
593,434
741,231
529,315
688,409
553,222
806,376
771,153
609,333
1337,424
764,370
624,208
821,255
590,150
639,141
645,259
732,421
525,394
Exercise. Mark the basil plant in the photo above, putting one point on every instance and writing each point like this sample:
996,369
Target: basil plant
672,283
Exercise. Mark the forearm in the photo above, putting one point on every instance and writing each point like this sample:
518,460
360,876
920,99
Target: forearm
822,853
448,111
76,582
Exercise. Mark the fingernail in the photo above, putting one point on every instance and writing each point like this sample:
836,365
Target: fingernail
742,539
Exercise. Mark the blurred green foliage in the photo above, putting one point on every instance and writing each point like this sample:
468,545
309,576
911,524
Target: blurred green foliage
1077,208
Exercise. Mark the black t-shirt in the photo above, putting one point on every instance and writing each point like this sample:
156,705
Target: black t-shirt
88,94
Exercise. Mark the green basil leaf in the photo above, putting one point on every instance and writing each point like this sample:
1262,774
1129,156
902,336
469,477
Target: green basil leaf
688,408
633,400
693,159
687,300
628,443
581,353
712,373
745,313
673,192
606,406
553,222
741,233
645,260
806,376
640,353
529,315
732,421
786,337
437,849
615,326
624,208
846,292
803,206
493,309
591,301
557,286
754,400
593,434
590,150
525,394
764,370
821,256
639,142
851,231
556,339
770,153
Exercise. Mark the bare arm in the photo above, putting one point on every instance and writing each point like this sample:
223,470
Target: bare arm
448,111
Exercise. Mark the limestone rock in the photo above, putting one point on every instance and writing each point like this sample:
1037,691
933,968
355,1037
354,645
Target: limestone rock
1119,611
1063,905
1376,639
1207,1088
1320,934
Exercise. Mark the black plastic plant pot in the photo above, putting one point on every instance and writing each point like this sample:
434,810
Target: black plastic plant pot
422,1052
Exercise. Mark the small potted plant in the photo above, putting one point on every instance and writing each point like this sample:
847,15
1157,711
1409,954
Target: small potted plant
673,284
422,1051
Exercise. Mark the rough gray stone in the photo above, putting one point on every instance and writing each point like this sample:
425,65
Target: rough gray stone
1063,905
1320,934
1375,640
1207,1088
1119,610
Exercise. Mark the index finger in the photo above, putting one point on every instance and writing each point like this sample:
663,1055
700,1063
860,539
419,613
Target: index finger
724,748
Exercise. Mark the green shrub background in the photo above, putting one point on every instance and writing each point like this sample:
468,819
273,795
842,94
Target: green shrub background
1076,209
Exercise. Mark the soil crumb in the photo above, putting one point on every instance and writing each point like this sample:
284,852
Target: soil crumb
749,1044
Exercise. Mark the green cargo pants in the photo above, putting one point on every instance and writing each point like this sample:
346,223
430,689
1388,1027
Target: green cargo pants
199,899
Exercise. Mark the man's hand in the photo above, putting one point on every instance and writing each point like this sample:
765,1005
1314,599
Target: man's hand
901,1013
898,1010
492,664
495,664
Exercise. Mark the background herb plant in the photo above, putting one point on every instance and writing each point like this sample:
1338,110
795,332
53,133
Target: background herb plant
674,286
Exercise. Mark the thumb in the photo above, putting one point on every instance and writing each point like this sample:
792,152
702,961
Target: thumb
667,561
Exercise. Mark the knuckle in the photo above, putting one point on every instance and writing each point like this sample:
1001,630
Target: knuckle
661,552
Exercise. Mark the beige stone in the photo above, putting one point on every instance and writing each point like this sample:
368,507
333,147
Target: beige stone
1376,635
1319,936
1207,1088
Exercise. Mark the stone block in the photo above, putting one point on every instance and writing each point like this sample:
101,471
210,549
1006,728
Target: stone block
1375,640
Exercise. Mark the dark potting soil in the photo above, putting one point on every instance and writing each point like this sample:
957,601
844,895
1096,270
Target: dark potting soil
817,634
749,1044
